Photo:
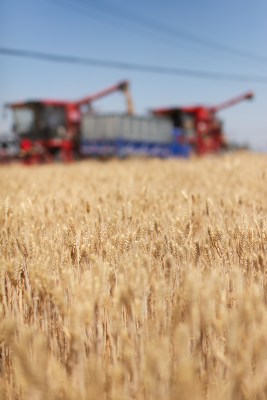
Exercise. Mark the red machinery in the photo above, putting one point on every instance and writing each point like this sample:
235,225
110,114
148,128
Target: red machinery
50,128
199,126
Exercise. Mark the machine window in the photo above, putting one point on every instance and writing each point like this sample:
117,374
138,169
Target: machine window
24,120
52,120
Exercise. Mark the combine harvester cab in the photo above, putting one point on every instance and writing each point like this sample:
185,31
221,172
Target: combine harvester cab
198,126
49,130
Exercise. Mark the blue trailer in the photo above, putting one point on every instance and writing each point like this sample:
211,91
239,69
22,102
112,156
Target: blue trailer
123,135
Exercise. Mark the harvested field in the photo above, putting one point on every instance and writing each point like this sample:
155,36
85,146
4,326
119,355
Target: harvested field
136,279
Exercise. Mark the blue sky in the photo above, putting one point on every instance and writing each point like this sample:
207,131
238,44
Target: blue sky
84,28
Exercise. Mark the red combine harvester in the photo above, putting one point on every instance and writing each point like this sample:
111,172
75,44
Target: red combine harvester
49,129
198,126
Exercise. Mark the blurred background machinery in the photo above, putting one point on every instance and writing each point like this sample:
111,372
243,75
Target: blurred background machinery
199,125
9,146
49,130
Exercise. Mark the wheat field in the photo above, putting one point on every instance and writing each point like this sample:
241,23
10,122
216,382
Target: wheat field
135,279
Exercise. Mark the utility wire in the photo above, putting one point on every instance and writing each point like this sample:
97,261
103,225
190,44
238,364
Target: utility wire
67,59
140,30
96,14
146,22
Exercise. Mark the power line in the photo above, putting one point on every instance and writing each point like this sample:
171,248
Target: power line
135,29
104,18
141,30
146,22
67,59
